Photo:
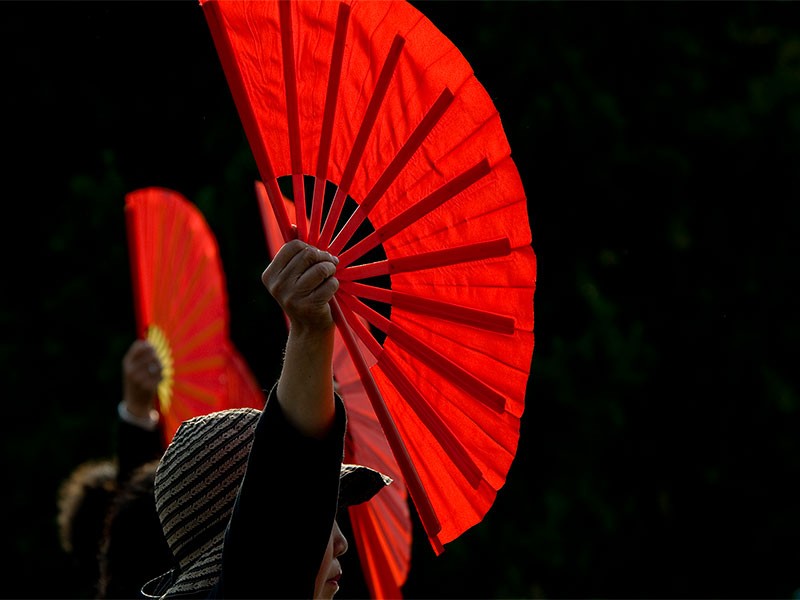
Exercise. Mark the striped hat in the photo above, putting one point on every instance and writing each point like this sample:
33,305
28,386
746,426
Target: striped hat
195,489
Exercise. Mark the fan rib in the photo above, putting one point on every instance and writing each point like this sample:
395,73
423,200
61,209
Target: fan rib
264,208
449,311
427,355
438,428
385,567
410,475
155,235
415,212
360,142
459,376
219,33
373,346
189,319
199,365
440,431
293,116
373,317
394,168
194,391
216,327
427,260
179,256
331,96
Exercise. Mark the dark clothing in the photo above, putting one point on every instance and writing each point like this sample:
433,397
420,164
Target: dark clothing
285,510
135,447
283,514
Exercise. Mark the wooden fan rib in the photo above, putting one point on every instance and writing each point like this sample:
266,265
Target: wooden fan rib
293,116
262,198
415,212
176,303
394,168
427,260
393,524
448,311
440,431
369,341
212,328
388,570
185,322
349,388
360,142
331,97
161,215
437,361
413,482
194,391
372,317
456,374
206,363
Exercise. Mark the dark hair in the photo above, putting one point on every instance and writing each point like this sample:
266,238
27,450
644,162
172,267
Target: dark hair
133,549
83,500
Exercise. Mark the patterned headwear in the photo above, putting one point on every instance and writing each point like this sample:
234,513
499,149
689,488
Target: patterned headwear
195,490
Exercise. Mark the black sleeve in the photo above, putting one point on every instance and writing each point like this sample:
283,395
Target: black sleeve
285,509
136,446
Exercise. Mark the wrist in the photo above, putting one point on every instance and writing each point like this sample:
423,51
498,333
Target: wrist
148,421
313,332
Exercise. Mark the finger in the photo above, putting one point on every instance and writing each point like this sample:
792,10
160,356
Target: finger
140,350
292,260
287,252
147,359
325,291
133,350
315,276
306,260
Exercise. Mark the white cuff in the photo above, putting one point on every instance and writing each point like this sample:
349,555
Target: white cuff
148,423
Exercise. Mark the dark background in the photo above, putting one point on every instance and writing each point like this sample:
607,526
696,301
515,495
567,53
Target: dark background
659,145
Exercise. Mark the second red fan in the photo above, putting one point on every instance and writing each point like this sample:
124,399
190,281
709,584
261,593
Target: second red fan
181,307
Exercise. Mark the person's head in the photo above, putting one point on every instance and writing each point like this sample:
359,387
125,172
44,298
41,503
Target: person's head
83,500
133,548
224,439
327,581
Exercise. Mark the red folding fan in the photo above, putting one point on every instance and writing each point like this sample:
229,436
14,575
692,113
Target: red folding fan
382,528
412,184
181,307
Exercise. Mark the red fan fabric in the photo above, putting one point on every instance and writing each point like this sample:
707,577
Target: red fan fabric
181,306
382,527
372,98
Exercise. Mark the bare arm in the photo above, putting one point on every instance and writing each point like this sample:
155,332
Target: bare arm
300,278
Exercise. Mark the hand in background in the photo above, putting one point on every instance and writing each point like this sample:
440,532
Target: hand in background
141,374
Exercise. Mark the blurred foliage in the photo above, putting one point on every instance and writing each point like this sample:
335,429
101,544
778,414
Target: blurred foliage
658,144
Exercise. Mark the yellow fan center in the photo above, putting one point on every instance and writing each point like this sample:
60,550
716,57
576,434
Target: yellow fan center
159,341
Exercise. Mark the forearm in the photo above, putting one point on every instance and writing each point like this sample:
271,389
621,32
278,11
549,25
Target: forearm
305,388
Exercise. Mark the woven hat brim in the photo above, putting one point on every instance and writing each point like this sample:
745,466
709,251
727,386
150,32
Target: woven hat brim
357,484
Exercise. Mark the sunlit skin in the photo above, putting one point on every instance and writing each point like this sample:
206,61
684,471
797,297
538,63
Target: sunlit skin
301,278
327,582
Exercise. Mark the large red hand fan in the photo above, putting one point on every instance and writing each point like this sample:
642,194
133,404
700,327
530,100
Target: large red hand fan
370,98
382,527
181,307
